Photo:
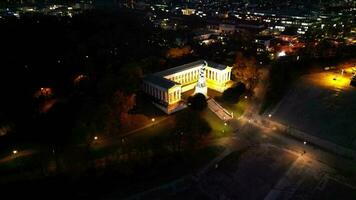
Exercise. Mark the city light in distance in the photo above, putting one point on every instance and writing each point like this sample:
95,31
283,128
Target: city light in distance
281,54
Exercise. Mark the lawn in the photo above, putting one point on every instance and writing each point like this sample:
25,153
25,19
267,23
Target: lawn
237,108
169,166
219,129
170,169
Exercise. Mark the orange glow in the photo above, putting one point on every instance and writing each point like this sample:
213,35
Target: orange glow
44,91
331,80
79,78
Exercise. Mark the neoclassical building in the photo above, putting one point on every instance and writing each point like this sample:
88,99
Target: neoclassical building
166,87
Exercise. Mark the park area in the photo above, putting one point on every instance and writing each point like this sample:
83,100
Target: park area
323,105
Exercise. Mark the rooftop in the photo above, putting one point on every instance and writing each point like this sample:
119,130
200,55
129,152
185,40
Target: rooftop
160,81
190,66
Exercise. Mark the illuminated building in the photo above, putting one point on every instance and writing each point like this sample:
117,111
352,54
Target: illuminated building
263,43
188,11
166,87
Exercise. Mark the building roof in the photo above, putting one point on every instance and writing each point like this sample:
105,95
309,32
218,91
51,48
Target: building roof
216,65
190,66
160,81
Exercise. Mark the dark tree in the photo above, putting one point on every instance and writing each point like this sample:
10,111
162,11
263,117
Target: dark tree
197,102
233,94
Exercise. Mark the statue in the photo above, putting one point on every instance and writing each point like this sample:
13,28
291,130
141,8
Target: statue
201,85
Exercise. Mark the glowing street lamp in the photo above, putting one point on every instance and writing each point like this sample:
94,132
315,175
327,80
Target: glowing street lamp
96,138
269,115
245,97
305,143
14,152
153,119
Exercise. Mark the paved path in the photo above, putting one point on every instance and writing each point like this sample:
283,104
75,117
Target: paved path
221,112
18,155
144,127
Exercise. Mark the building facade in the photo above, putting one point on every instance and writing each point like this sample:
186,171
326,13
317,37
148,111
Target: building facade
166,87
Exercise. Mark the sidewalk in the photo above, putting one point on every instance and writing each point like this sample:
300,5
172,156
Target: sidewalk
18,155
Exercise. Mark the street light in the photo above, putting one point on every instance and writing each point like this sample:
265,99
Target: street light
14,152
95,137
245,97
153,119
269,115
304,142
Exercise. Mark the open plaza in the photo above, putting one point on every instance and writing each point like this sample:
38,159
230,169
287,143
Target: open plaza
322,105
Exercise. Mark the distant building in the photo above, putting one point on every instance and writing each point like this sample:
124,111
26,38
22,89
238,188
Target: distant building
227,28
232,26
166,87
263,43
188,11
289,36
